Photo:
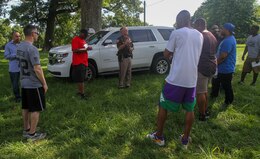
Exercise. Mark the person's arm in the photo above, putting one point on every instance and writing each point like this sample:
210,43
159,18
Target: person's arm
244,53
7,54
222,57
77,46
167,54
39,73
81,50
120,44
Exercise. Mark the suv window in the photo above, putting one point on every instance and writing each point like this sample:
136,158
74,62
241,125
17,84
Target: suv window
114,37
142,35
165,33
94,39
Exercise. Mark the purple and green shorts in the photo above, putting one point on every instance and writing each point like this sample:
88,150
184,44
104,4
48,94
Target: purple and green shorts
173,97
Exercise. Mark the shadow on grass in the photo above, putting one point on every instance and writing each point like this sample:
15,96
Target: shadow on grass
113,123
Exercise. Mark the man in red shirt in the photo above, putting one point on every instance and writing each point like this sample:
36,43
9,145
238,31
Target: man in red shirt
80,60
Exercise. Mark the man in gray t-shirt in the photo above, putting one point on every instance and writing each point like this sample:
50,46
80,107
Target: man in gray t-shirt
33,83
29,56
253,50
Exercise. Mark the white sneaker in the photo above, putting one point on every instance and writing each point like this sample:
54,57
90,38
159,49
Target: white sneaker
184,142
156,139
36,136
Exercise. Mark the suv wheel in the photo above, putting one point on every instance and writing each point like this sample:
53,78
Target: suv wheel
161,65
91,72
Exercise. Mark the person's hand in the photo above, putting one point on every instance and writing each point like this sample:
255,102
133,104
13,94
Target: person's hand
243,57
45,88
128,41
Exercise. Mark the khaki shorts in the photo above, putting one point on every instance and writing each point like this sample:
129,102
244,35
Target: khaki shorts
248,64
202,83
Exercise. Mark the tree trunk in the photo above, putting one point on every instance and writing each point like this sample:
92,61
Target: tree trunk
49,34
91,14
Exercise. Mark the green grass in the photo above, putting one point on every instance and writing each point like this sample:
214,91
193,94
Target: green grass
113,123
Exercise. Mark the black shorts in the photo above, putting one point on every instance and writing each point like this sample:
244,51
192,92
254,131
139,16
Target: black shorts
79,73
33,99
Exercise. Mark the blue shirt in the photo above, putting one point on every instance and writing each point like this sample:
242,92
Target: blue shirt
10,54
228,45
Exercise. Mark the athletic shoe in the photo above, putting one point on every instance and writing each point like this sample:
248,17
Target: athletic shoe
121,87
185,142
84,97
156,139
224,106
207,113
202,117
252,84
25,133
241,82
36,136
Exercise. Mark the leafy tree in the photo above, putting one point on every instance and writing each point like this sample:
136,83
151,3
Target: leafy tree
44,14
121,12
6,31
239,12
60,20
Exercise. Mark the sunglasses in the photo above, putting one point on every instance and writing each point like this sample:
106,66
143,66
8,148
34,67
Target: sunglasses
36,32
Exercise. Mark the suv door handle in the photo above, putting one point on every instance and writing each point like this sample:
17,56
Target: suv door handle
151,46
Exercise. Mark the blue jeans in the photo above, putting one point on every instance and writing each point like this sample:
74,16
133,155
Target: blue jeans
15,78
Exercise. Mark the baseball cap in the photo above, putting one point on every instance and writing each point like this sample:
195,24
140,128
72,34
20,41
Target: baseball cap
230,27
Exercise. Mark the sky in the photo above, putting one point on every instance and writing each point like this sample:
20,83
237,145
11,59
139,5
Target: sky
164,12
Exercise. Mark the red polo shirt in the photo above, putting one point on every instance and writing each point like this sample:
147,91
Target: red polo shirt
79,58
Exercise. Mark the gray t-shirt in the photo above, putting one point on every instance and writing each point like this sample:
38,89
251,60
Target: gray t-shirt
28,57
253,44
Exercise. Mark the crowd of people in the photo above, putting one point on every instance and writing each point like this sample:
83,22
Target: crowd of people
198,57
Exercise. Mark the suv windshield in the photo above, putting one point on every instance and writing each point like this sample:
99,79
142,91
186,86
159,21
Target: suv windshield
94,39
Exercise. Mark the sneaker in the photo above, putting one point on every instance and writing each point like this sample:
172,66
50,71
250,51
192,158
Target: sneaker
207,114
202,117
25,133
156,139
121,87
224,106
252,84
84,97
185,142
241,82
36,136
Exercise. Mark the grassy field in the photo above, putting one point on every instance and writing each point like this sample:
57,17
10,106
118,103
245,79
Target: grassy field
113,123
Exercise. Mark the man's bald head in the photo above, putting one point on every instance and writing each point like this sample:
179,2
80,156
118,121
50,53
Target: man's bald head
183,19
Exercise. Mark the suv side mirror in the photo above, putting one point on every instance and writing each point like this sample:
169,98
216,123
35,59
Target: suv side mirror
107,42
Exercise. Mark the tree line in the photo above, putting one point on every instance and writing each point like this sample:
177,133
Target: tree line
60,20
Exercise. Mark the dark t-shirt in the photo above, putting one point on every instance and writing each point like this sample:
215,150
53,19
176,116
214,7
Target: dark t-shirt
208,62
126,51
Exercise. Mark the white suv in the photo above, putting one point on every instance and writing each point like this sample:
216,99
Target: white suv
149,44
